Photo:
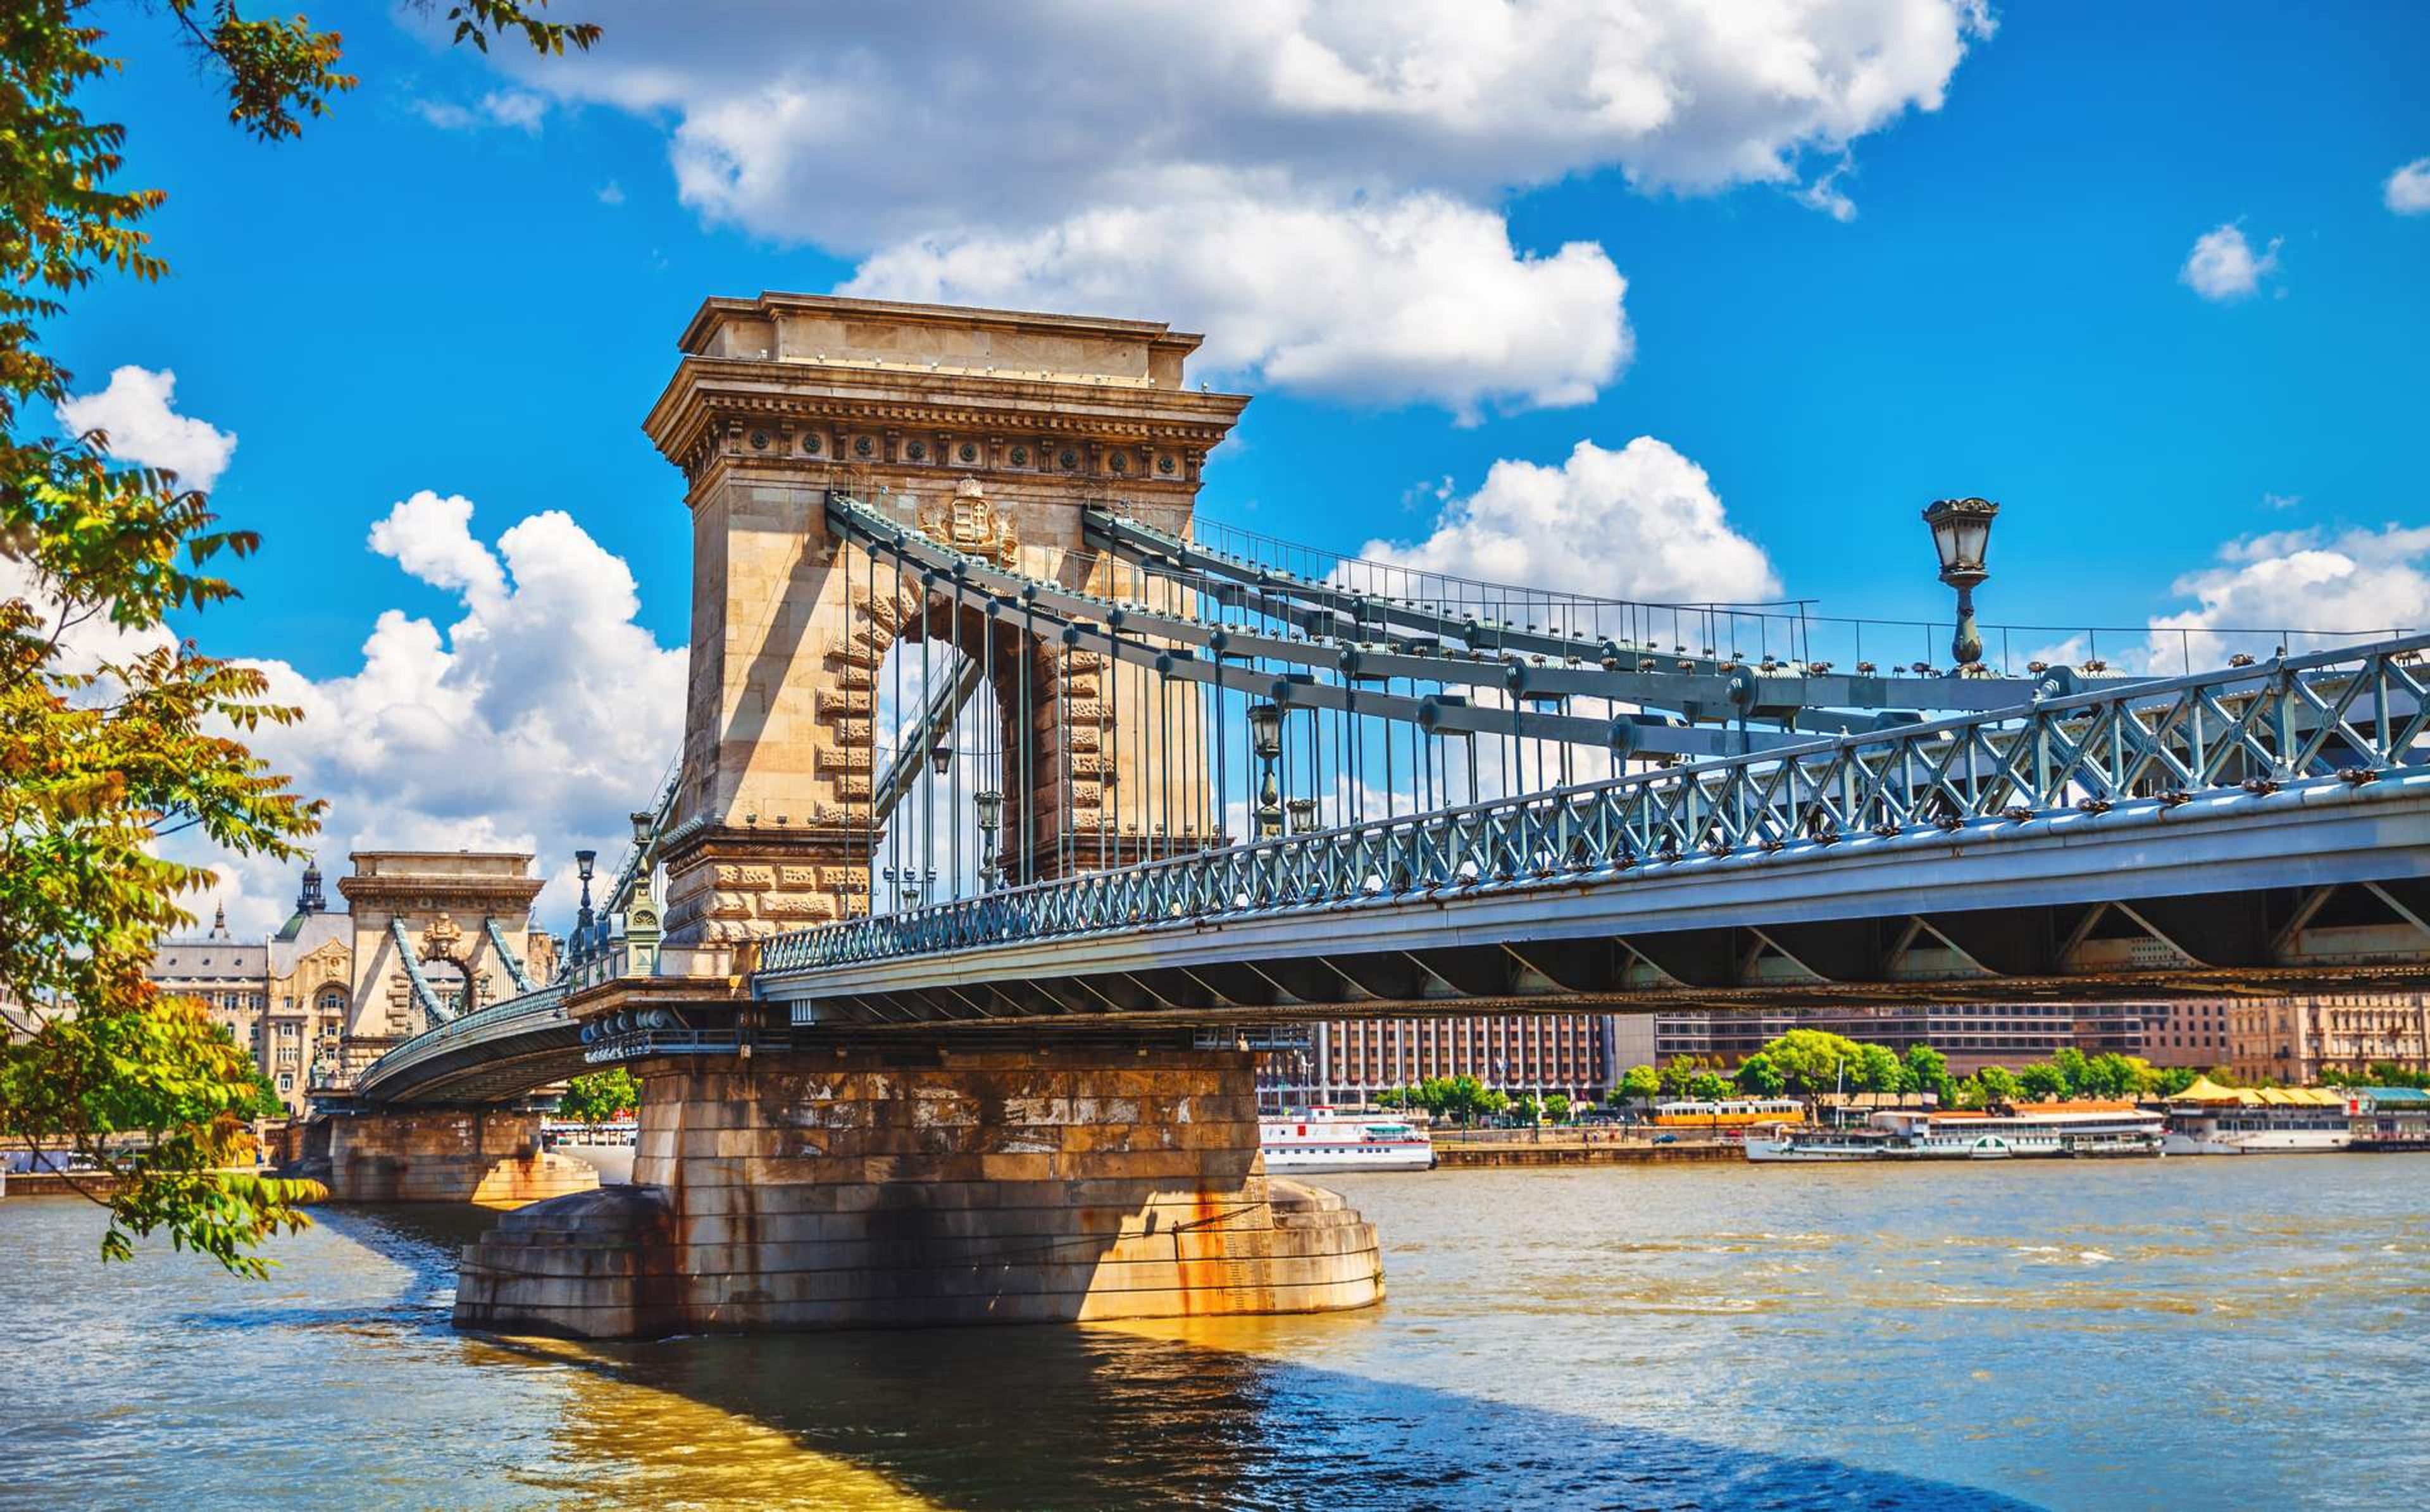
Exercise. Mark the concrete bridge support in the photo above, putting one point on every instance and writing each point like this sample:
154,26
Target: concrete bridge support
490,1157
867,1188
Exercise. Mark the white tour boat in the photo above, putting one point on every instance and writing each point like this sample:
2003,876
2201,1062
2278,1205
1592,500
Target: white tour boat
2079,1130
2210,1119
1321,1139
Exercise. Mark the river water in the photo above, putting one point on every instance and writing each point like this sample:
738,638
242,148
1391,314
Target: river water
2203,1334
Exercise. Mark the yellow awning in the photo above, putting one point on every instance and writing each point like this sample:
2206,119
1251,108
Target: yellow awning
2205,1090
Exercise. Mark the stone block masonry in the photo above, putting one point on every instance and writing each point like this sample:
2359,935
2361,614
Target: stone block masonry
814,1190
488,1156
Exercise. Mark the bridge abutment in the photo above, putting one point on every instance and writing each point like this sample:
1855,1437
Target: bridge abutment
491,1157
874,1189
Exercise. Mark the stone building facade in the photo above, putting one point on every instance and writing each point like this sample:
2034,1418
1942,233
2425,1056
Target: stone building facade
1971,1035
1349,1060
2293,1039
294,999
1584,1054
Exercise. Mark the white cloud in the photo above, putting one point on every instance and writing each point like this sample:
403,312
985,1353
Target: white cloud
536,721
135,411
1051,154
2269,589
1824,194
2222,265
1416,299
2407,191
521,110
1641,523
611,192
2280,501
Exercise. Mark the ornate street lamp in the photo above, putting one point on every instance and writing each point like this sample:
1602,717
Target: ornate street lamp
990,804
941,758
641,823
1266,732
583,862
1303,815
1961,533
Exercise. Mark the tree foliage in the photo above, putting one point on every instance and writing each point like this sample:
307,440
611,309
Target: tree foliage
601,1097
105,754
1641,1083
1759,1076
1927,1070
1809,1060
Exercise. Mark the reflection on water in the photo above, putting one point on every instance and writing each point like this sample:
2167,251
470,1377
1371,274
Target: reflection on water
2223,1332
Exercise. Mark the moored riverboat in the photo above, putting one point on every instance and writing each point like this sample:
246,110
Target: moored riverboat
2210,1119
2081,1130
1323,1139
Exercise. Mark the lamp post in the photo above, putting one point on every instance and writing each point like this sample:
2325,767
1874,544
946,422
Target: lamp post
583,862
1961,533
990,803
1266,731
1303,815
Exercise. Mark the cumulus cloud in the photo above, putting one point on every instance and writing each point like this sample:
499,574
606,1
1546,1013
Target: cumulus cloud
1416,299
137,412
2408,190
2223,267
536,721
1641,523
2267,591
1044,155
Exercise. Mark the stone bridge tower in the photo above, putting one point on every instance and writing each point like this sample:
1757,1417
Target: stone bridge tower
966,424
440,906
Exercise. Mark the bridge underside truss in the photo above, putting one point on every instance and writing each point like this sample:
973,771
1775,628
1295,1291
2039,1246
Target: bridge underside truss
2267,943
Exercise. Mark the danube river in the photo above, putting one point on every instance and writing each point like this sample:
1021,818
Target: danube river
2224,1333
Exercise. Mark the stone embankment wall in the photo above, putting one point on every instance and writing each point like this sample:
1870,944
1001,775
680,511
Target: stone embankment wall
1014,1185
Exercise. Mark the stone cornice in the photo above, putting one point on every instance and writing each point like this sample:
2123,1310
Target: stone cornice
395,890
704,389
805,418
772,304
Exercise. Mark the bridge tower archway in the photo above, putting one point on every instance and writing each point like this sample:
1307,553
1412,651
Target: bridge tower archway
991,431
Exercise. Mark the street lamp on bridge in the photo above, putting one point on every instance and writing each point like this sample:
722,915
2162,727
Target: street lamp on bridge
583,862
990,803
1266,731
1961,533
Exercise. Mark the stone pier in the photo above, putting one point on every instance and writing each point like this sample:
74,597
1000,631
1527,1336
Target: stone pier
491,1157
872,1187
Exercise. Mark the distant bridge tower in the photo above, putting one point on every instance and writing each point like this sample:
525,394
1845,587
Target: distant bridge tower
988,430
428,926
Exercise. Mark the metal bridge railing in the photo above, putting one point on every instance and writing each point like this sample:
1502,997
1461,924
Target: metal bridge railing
2349,713
478,1025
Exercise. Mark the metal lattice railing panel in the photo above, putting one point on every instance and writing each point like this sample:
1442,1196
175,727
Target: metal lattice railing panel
2350,714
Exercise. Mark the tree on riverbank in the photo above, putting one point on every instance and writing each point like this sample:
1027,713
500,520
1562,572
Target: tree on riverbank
602,1097
115,733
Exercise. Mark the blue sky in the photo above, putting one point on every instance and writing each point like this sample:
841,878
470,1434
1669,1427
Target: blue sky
432,293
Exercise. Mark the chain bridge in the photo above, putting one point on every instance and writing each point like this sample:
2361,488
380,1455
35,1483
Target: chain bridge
1016,803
